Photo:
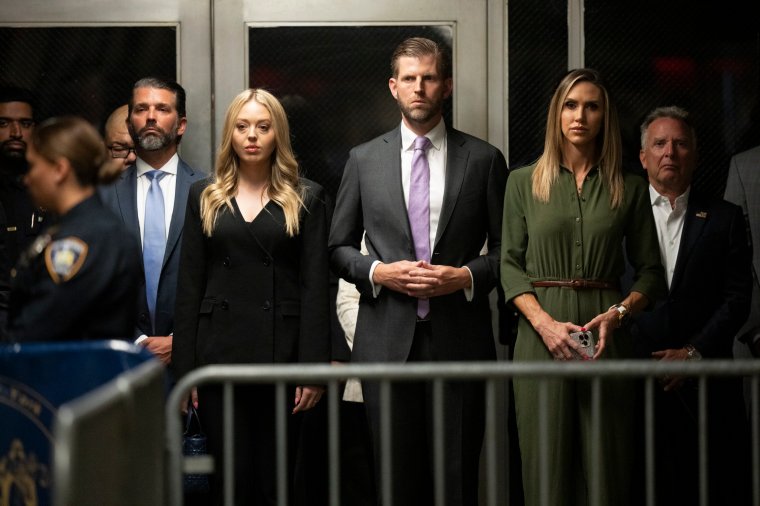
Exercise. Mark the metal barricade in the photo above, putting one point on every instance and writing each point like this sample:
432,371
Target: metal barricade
491,372
109,443
39,381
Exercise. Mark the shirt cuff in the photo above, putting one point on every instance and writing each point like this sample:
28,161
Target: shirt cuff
469,292
375,289
141,339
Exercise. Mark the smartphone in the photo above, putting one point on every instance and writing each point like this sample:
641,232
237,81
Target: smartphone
588,344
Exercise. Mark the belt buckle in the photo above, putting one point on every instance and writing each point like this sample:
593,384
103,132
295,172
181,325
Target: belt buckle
578,283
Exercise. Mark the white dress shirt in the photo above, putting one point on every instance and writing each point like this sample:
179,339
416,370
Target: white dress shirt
436,156
168,184
669,221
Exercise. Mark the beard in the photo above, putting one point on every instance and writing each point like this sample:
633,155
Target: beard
12,162
12,153
154,140
418,114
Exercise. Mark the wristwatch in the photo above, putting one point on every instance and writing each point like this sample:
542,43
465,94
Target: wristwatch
623,313
692,353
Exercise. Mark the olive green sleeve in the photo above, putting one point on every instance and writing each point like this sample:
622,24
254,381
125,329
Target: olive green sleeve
514,235
641,243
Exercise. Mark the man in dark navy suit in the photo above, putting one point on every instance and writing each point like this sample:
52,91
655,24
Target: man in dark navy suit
704,250
156,121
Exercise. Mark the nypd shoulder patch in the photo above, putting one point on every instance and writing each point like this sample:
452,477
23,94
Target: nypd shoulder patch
64,257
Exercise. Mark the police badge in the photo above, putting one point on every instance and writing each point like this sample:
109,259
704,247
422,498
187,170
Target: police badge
64,257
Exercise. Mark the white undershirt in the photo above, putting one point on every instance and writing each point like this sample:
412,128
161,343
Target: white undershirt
669,223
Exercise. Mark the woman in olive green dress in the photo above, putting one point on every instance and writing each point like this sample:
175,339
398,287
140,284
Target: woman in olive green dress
565,221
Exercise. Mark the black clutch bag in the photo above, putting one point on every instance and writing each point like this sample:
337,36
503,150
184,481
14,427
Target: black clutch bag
194,443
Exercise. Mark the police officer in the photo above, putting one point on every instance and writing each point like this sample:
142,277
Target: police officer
21,220
79,279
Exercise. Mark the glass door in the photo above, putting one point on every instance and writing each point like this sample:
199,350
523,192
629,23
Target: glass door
330,62
82,57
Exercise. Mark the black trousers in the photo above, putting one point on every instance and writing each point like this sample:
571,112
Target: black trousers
357,481
254,442
676,458
412,430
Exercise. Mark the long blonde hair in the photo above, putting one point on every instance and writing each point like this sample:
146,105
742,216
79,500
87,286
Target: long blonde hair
284,186
608,142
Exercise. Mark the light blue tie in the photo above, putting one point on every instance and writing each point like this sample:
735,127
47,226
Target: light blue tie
154,240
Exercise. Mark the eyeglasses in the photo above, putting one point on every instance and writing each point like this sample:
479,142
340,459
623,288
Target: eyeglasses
120,151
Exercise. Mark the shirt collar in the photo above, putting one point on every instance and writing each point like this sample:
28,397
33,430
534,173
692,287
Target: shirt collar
681,201
436,135
592,173
169,167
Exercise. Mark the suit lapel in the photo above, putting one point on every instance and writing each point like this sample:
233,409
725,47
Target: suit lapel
184,181
694,222
749,173
126,195
390,162
259,224
456,166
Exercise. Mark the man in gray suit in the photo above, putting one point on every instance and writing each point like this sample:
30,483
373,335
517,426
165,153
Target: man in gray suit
156,121
424,285
743,189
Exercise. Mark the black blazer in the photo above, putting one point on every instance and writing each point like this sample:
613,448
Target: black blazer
709,297
371,198
250,293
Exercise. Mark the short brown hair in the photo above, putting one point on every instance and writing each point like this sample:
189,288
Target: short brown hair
418,47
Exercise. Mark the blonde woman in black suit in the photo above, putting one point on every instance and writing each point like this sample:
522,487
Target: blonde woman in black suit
253,285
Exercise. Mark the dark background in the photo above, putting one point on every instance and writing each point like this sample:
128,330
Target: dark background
333,80
703,57
86,71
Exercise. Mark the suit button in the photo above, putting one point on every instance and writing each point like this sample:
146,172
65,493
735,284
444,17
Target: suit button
226,262
266,306
144,317
224,305
267,261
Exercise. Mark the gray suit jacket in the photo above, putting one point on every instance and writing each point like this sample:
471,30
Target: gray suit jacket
743,189
371,198
121,198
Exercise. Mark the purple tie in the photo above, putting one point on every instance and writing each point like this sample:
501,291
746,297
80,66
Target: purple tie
419,209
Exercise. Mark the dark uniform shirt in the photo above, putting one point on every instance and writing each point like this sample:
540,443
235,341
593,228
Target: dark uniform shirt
22,221
5,271
78,280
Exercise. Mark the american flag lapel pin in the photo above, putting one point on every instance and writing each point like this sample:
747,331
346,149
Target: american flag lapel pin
702,214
